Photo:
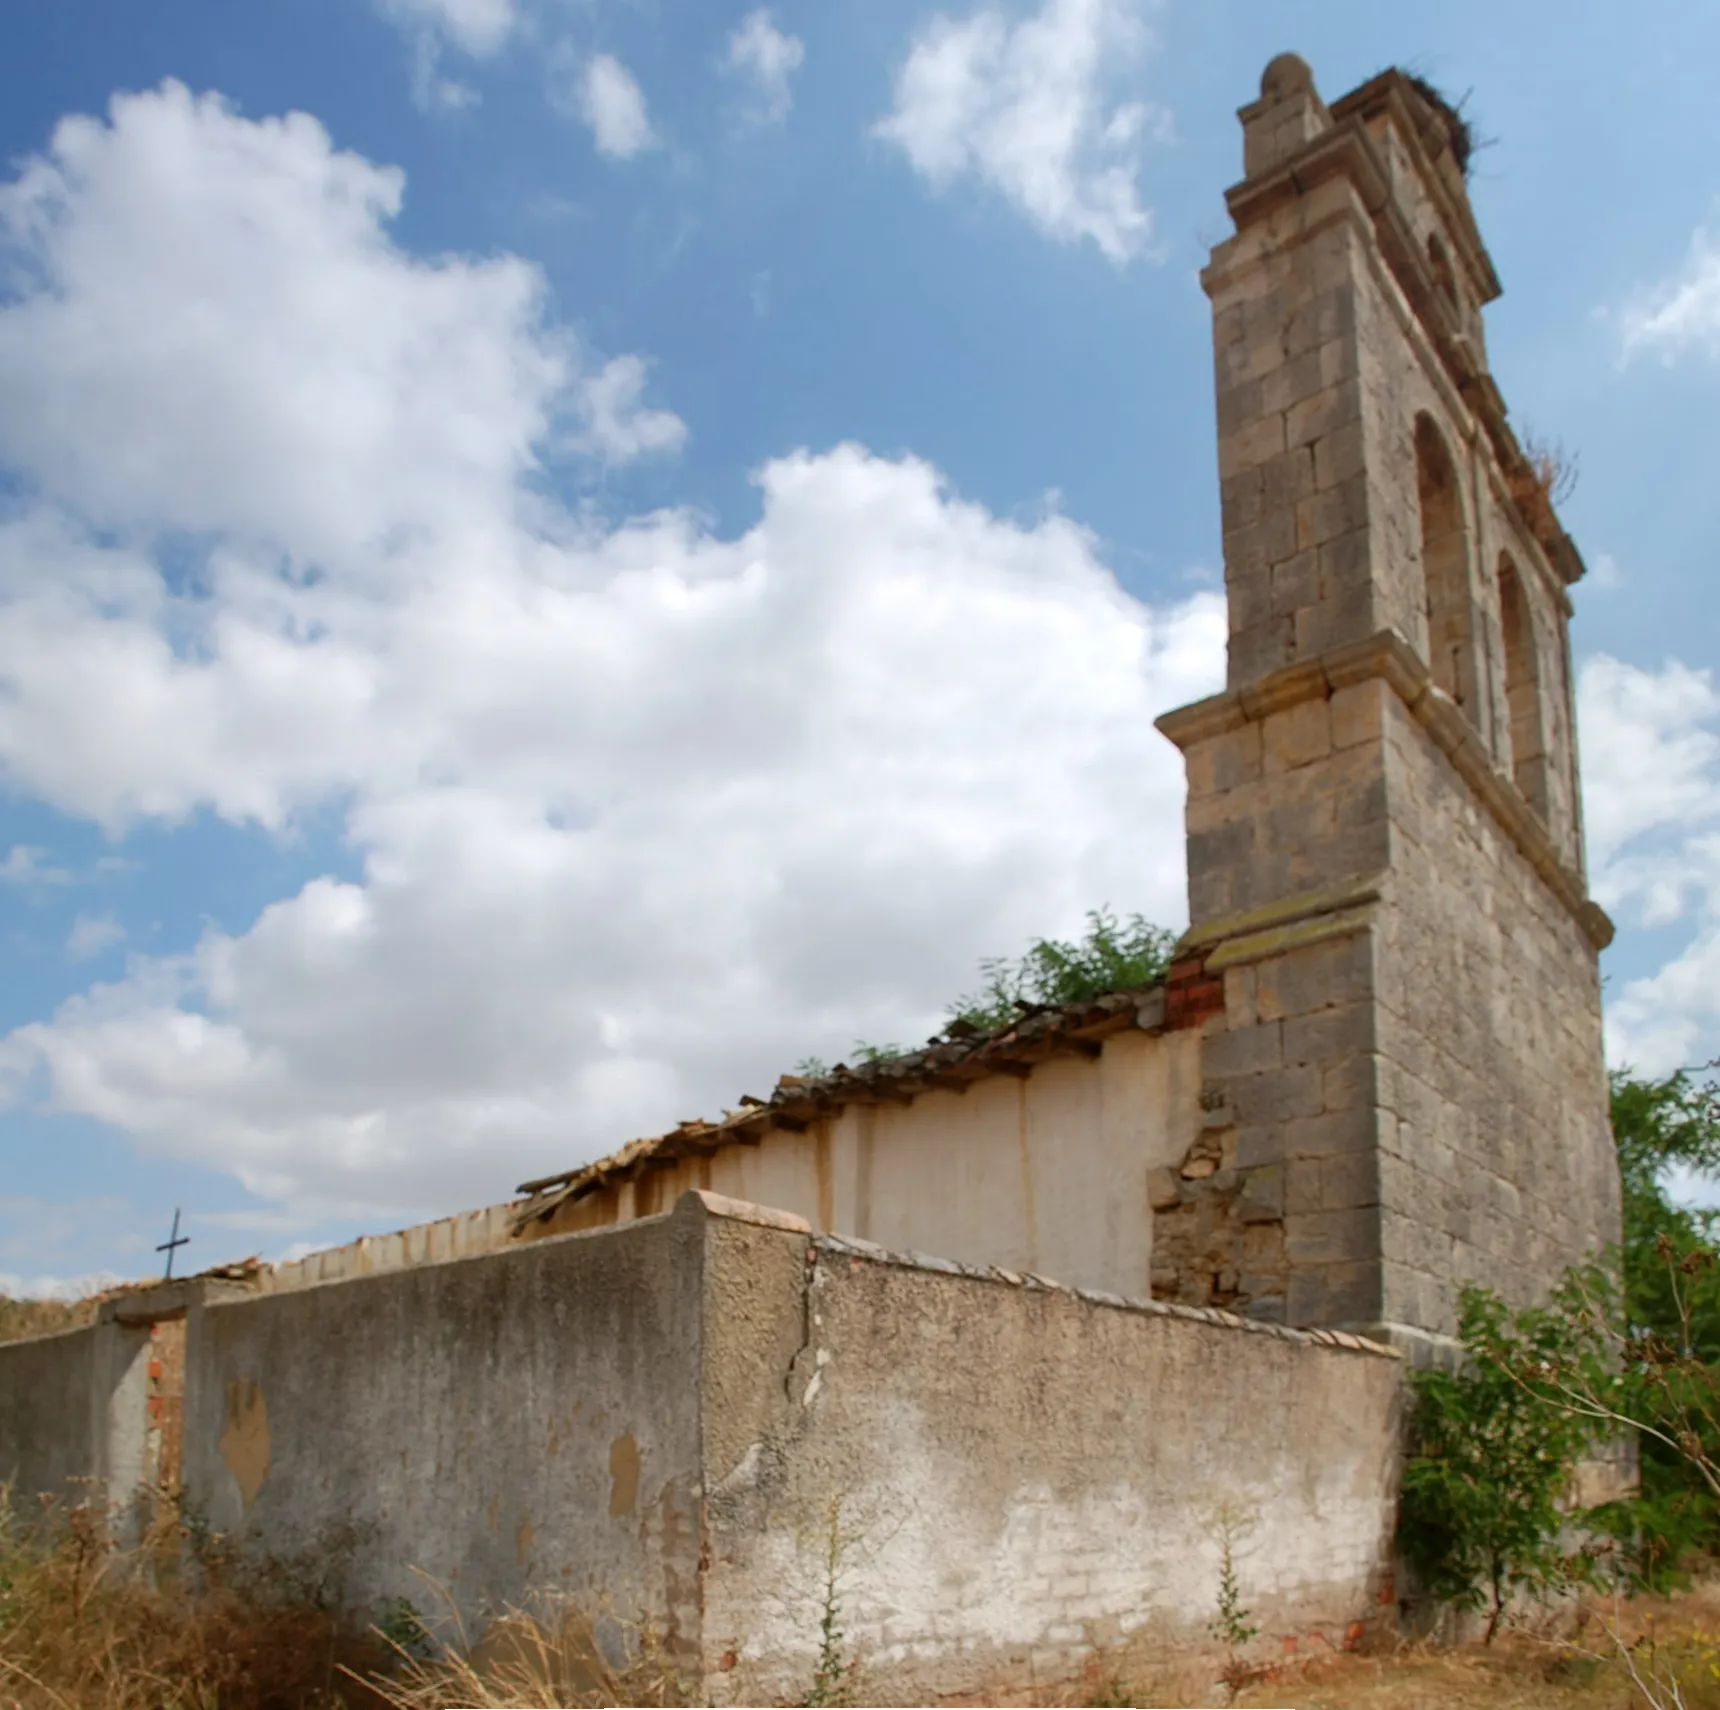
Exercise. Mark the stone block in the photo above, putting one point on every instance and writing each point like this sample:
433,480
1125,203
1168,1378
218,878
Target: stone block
1251,443
1339,361
1255,549
1260,649
1328,410
1339,456
1163,1188
1258,1144
1265,1307
1301,1186
1349,1082
1280,1095
1332,1237
1346,572
1305,1298
1290,382
1226,761
1349,1181
1329,315
1330,623
1239,406
1299,815
1296,736
1241,500
1295,583
1330,1134
1353,1293
1225,845
1239,1004
1332,513
1357,716
1328,1035
1315,976
1262,1199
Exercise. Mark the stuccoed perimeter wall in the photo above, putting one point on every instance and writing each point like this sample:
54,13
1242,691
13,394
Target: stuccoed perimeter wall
514,1425
1016,1477
49,1416
664,1422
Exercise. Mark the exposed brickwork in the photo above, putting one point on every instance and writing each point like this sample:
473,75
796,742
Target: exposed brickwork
1192,995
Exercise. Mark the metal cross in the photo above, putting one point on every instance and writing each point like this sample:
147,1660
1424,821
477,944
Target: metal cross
172,1241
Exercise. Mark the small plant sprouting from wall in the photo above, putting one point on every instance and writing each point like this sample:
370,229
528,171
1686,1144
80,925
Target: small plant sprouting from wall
833,1678
401,1627
1232,1624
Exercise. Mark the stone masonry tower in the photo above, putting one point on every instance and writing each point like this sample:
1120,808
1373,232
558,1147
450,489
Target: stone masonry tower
1385,847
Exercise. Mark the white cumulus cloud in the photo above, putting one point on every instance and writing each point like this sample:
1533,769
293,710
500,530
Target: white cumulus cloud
1681,312
1651,764
768,58
479,27
26,864
91,935
618,425
1024,107
643,811
611,103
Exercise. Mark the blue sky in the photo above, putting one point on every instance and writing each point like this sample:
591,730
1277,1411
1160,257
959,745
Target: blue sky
561,555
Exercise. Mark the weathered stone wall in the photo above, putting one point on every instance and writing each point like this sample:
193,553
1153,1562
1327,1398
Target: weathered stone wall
1403,380
1496,1157
1051,1171
514,1425
1015,1477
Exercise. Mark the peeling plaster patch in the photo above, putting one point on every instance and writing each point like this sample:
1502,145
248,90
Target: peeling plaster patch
245,1442
623,1475
745,1471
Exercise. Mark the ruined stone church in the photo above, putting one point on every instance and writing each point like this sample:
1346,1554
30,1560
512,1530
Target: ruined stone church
1026,1320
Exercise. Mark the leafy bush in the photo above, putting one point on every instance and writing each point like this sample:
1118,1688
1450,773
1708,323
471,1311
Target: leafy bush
1113,956
1493,1452
1671,1307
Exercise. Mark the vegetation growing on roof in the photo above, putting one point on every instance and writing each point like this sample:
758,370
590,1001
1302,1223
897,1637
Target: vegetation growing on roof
1464,141
1113,956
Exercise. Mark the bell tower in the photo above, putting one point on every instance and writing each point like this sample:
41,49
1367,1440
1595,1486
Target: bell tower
1385,850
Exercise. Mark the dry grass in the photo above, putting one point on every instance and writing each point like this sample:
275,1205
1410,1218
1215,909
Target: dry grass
179,1624
1673,1639
87,1627
524,1663
21,1318
167,1627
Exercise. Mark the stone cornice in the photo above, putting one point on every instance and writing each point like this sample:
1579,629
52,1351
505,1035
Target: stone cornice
1388,657
1387,93
1250,934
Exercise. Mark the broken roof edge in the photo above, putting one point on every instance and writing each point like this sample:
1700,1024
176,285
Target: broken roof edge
949,1063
